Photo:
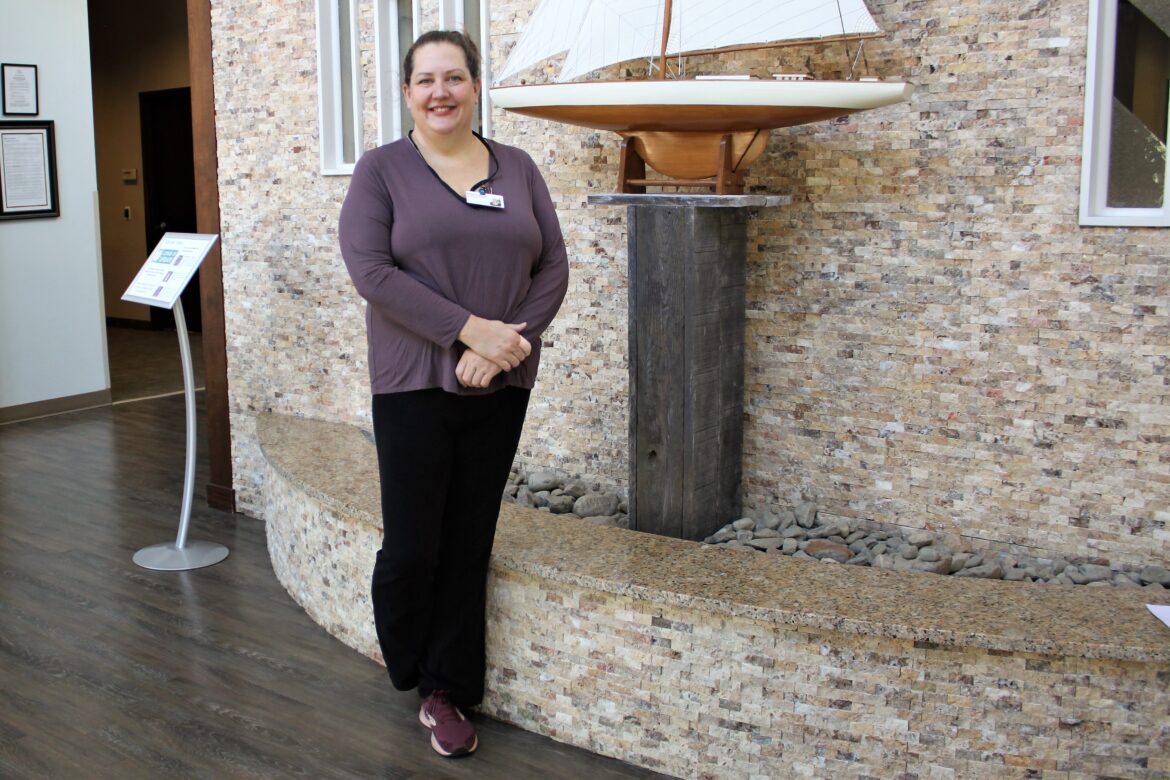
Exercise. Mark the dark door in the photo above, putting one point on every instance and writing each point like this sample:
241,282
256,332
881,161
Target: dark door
168,178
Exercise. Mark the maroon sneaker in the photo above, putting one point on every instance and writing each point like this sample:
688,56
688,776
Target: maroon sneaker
452,734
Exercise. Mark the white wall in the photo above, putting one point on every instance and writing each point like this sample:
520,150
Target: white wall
52,334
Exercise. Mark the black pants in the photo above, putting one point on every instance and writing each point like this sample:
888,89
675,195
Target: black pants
443,460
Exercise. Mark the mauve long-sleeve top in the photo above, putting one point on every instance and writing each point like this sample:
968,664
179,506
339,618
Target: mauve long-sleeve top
425,260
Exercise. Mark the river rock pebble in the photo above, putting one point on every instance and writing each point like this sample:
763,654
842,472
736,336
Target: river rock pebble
920,538
575,489
525,497
805,532
543,480
1155,574
823,548
771,522
560,505
592,504
806,514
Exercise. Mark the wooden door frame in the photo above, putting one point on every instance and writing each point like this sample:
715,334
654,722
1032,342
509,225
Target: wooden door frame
220,491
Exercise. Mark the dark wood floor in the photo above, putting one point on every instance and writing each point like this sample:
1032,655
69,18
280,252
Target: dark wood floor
108,670
145,363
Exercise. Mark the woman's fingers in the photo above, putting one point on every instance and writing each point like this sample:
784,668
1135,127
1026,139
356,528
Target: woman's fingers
525,345
499,342
473,370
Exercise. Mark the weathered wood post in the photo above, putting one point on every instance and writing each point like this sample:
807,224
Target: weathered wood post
687,256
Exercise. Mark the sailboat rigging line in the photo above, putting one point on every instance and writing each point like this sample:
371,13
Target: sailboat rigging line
841,16
853,65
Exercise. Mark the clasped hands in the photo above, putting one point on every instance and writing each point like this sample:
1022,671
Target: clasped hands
492,346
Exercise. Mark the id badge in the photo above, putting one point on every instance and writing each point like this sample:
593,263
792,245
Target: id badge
480,198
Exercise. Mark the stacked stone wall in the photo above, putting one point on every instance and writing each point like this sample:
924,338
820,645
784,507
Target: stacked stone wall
932,339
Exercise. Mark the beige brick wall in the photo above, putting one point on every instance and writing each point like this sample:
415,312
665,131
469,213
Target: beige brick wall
701,696
932,340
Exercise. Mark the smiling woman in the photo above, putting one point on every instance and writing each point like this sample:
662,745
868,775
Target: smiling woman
453,241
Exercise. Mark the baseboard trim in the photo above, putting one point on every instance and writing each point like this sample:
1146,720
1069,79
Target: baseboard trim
69,403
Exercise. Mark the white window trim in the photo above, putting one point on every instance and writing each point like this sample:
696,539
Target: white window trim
1098,130
485,67
388,72
330,103
450,15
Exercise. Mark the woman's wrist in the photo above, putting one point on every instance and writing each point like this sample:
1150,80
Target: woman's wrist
467,332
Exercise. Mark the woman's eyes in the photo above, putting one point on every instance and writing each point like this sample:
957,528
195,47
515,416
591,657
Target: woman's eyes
425,81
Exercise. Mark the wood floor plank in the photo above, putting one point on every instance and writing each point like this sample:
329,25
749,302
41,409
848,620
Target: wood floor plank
108,670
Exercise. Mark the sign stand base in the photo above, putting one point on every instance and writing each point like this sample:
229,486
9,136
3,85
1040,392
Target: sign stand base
168,557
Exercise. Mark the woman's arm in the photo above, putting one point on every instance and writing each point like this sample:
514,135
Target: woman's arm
550,275
364,230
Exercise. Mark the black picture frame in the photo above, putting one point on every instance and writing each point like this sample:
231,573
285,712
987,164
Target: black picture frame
28,170
12,101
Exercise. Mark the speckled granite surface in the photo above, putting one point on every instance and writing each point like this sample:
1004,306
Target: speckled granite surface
1005,616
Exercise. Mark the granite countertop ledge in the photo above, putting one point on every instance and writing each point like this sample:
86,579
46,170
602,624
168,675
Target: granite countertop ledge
336,464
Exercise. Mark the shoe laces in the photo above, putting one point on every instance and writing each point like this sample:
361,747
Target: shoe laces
441,708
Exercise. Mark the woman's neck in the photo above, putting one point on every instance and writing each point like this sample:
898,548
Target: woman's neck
445,145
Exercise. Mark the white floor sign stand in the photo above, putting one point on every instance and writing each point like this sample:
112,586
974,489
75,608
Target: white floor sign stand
159,283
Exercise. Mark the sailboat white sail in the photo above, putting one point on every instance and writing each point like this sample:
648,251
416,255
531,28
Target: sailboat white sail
551,30
597,33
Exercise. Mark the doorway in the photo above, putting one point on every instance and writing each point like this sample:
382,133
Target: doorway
168,180
143,143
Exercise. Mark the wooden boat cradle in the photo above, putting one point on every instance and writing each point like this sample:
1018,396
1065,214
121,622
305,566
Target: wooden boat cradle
632,172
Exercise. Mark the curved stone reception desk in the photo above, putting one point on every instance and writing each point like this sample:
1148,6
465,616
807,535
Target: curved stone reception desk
703,662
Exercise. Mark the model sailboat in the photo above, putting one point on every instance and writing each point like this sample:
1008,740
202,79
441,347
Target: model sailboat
700,132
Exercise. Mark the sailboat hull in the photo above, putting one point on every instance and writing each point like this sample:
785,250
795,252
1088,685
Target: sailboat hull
720,106
677,126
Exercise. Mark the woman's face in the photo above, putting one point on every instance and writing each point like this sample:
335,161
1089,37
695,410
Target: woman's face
441,94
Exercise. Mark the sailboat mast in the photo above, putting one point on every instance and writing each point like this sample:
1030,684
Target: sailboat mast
665,37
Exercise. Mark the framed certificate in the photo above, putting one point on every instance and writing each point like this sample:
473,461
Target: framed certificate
28,171
18,83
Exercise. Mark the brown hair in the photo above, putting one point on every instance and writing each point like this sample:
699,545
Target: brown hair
454,37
